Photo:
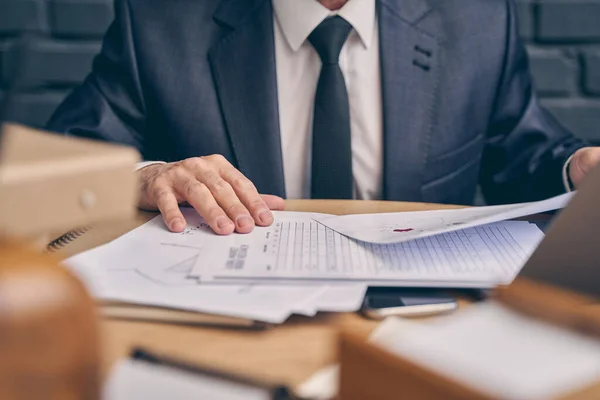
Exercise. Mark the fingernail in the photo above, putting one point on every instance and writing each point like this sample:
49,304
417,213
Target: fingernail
177,224
265,217
244,221
223,223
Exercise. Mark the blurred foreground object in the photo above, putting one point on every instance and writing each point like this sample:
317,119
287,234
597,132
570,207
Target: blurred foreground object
534,341
48,327
52,183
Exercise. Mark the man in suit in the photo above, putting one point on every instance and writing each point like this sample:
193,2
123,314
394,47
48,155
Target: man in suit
245,102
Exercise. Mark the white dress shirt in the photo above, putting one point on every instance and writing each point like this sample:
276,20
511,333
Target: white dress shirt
298,67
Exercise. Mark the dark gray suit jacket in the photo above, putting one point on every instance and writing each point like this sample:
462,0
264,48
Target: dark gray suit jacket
185,78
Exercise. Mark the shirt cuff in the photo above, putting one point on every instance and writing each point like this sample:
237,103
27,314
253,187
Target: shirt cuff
565,175
144,164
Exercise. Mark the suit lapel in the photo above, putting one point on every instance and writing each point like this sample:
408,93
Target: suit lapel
244,72
409,71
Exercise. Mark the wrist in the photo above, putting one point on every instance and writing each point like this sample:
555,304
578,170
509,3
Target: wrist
567,181
145,164
146,175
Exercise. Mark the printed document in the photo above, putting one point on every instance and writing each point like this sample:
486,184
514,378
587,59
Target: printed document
405,226
300,250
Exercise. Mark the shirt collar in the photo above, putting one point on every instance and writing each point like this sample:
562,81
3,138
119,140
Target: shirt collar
298,18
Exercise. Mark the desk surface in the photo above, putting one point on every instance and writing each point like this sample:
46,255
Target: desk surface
289,353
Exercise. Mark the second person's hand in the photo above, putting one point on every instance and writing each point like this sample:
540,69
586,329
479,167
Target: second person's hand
222,195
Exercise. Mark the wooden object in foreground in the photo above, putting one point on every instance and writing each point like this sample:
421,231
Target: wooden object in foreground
48,329
51,183
560,307
48,325
370,372
387,374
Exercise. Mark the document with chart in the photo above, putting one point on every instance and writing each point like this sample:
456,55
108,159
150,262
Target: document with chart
153,267
471,247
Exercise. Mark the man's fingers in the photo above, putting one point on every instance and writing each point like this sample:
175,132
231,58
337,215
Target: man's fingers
590,158
166,202
221,194
227,199
583,162
246,191
275,203
201,198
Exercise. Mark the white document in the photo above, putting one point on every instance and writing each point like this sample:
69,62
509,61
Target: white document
322,385
107,279
404,226
300,250
131,379
499,352
308,306
341,298
333,298
151,266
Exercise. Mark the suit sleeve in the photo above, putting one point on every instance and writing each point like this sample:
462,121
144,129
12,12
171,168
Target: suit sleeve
526,147
109,104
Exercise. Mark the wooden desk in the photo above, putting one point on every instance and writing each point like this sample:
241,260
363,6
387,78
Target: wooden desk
289,353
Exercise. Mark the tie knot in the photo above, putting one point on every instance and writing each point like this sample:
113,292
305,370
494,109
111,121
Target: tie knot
329,37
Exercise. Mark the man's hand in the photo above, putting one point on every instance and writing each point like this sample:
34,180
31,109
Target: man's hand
583,161
221,194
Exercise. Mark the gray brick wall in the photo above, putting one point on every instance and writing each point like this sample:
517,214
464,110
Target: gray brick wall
563,39
68,33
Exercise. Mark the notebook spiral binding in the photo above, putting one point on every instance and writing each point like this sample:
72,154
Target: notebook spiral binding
66,239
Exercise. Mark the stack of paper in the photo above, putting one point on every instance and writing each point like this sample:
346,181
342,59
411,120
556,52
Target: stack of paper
157,273
305,263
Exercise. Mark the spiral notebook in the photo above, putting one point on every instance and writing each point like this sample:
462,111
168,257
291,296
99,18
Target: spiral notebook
64,240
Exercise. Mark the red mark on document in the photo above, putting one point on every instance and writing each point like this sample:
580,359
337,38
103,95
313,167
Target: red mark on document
404,230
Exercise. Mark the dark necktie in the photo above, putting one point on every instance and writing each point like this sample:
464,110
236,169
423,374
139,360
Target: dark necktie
331,144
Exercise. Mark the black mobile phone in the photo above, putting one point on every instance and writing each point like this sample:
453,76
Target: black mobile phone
380,303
